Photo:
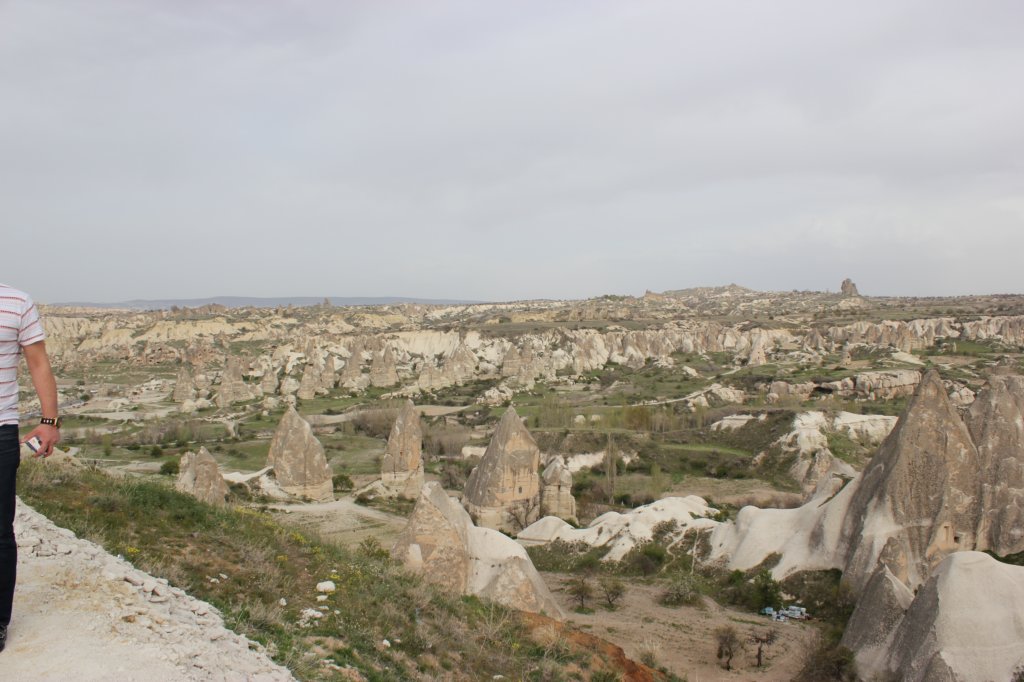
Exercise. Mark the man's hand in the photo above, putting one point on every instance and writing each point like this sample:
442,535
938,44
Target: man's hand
46,388
48,436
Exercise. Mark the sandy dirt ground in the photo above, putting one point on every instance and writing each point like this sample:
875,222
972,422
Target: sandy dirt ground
342,521
682,638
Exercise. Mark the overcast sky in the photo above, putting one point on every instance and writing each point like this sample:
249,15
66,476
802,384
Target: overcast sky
496,151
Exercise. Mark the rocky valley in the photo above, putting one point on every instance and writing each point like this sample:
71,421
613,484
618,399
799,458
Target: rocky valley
603,489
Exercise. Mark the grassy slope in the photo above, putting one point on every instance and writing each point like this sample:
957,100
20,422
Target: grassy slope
432,635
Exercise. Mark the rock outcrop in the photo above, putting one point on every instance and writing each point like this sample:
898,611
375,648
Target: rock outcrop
964,624
996,423
199,476
441,543
848,288
880,609
885,385
185,386
352,373
620,533
503,491
918,497
383,372
918,500
300,465
318,376
233,388
556,496
460,366
402,464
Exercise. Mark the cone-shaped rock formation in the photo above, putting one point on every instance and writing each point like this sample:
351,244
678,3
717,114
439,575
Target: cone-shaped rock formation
918,497
185,386
382,370
300,465
503,491
200,477
233,388
442,544
402,464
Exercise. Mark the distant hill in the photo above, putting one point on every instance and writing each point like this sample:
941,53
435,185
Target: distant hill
258,302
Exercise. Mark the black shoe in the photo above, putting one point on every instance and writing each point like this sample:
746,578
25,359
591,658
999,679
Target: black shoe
3,637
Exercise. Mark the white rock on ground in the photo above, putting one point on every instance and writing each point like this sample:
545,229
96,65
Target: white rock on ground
623,532
81,614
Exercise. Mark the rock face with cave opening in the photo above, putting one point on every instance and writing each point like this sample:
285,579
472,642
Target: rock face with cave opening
918,498
503,491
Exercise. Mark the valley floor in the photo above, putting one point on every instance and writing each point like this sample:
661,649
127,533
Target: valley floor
682,639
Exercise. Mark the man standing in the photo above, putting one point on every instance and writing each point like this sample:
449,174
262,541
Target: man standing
20,334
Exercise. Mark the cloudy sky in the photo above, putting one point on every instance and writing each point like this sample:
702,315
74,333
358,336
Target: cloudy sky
495,151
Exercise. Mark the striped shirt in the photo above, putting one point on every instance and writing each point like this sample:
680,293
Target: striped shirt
19,327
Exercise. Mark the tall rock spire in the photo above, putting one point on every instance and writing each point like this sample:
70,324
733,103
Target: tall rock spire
402,464
918,497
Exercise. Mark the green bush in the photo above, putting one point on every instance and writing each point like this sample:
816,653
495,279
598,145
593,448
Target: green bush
169,467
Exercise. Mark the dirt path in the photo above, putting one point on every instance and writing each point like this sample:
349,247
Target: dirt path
81,614
682,639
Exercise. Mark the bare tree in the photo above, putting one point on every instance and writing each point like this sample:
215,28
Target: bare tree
524,512
762,640
610,468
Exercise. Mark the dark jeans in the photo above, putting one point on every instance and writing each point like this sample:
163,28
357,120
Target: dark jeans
9,460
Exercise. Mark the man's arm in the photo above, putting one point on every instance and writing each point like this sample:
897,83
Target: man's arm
46,388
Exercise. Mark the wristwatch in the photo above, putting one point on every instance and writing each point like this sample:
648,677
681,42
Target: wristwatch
51,421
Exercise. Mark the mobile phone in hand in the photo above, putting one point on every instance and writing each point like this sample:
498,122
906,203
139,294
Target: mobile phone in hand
34,444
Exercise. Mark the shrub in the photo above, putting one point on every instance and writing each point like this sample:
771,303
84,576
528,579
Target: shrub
728,644
828,661
169,468
612,589
765,591
681,591
650,558
342,483
581,591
